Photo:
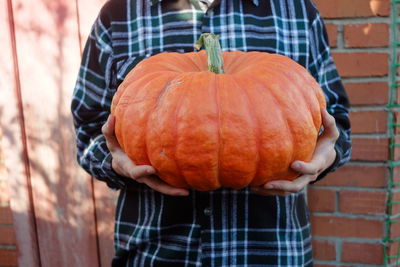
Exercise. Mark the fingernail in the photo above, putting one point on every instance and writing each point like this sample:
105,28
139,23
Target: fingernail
183,193
150,171
109,118
269,186
296,165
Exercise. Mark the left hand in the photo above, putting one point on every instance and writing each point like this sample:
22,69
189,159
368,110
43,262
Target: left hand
323,157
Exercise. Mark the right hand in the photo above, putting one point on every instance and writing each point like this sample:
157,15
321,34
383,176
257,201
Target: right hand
124,166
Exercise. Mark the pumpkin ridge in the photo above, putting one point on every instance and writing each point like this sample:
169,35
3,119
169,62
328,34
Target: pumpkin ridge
139,154
190,56
307,78
151,112
167,87
199,56
256,124
167,84
305,99
190,128
184,65
236,63
121,109
253,56
168,67
150,65
304,94
158,75
175,134
275,72
275,99
121,90
220,144
160,137
283,72
290,134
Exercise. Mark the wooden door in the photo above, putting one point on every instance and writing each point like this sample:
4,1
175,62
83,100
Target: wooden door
61,216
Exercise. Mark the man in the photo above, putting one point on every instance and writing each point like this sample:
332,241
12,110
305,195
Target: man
158,225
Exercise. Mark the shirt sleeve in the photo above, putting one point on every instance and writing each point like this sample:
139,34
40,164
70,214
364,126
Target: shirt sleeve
91,103
323,68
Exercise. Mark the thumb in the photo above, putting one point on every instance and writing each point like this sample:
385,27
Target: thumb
108,131
330,129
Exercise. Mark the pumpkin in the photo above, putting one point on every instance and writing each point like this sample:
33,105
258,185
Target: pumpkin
213,119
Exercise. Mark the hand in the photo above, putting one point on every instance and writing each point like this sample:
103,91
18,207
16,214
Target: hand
124,166
323,157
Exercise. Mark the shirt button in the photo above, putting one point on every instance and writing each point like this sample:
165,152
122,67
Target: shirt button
207,211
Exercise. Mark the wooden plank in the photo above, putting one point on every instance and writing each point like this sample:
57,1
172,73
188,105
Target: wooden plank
12,144
105,199
88,11
48,48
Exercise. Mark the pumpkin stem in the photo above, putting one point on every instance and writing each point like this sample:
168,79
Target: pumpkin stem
213,50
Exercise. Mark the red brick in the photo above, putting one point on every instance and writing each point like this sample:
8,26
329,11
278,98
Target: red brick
357,8
4,194
332,34
393,249
357,176
370,149
323,200
7,235
397,120
351,201
8,257
369,93
362,253
324,250
397,149
346,227
398,92
396,175
366,35
368,121
395,230
395,226
395,207
361,64
6,215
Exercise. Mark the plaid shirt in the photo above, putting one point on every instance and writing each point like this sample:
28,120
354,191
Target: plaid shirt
225,227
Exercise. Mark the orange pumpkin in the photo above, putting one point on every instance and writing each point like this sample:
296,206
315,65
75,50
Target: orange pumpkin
243,124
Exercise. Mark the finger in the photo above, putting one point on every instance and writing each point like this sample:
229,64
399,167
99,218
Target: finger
136,172
306,179
108,131
294,186
329,123
108,126
128,167
313,167
157,184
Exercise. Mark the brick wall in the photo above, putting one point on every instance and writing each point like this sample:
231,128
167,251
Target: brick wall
8,253
348,207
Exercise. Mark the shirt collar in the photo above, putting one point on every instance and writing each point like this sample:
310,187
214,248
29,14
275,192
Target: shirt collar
154,2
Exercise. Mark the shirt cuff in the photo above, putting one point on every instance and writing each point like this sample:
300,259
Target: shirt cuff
114,181
333,166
